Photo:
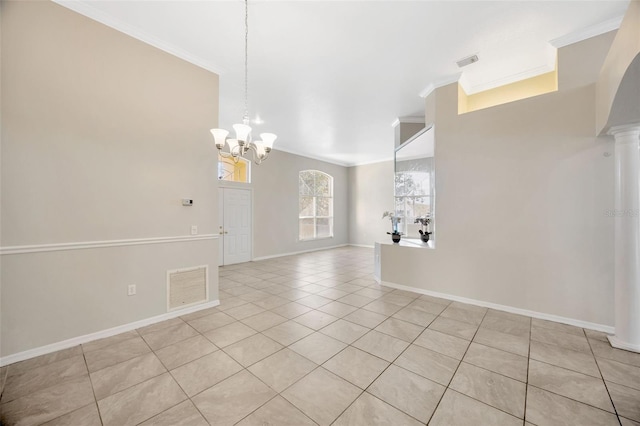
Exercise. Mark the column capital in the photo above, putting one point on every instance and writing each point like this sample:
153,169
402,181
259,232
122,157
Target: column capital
633,128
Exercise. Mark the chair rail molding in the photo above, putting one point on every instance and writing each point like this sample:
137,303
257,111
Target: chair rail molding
38,248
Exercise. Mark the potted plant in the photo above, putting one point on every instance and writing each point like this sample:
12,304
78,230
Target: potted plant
424,226
395,220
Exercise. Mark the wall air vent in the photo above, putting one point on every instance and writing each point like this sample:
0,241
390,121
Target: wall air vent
187,287
467,61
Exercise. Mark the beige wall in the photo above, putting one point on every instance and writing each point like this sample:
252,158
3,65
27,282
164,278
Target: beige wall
370,194
102,136
275,205
523,190
522,194
405,131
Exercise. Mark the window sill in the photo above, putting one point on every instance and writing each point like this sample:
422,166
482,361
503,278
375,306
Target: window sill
315,239
410,243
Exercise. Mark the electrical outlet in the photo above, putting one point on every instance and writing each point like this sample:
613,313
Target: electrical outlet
131,290
194,230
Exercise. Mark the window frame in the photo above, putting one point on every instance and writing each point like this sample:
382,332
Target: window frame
222,160
315,196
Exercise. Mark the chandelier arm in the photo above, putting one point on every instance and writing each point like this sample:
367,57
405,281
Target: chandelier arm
224,154
257,159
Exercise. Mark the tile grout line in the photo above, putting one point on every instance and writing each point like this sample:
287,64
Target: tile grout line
447,387
615,410
93,390
526,385
372,382
321,366
387,367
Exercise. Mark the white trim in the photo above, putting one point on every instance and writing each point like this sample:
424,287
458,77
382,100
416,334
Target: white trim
439,83
617,343
206,286
37,248
503,81
631,127
313,157
94,13
65,344
588,32
412,120
540,315
329,161
367,163
362,245
257,259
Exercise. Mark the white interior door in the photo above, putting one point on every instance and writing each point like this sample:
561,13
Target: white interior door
235,234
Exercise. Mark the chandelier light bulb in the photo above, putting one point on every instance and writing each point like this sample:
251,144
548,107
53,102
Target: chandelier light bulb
267,140
242,132
219,136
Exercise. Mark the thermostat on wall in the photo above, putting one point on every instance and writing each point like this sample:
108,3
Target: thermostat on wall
187,202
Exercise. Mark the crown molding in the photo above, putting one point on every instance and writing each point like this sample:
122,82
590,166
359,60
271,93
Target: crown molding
624,128
414,120
91,12
588,32
453,78
503,81
313,157
368,163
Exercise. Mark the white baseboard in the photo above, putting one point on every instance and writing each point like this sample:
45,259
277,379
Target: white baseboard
617,343
540,315
362,245
257,259
65,344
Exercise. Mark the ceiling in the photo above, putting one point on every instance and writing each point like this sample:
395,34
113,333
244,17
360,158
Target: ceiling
330,77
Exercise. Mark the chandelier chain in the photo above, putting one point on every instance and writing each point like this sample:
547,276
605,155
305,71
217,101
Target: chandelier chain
246,62
243,143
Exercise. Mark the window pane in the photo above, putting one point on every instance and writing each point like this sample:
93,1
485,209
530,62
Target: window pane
315,205
306,206
399,189
401,208
412,183
422,206
306,229
422,183
323,185
306,185
233,172
324,228
324,206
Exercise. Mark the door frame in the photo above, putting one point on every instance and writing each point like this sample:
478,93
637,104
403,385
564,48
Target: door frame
241,186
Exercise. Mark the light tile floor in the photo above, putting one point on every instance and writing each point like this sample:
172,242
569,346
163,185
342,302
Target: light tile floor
312,339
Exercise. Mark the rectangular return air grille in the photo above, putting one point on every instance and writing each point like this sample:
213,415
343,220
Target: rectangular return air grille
186,287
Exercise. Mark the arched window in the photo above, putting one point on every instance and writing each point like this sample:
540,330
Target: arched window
234,172
315,205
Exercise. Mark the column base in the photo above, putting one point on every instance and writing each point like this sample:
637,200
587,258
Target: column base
617,343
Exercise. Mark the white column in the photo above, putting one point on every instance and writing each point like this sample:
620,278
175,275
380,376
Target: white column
627,237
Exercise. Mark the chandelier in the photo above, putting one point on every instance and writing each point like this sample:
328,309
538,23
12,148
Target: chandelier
243,143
